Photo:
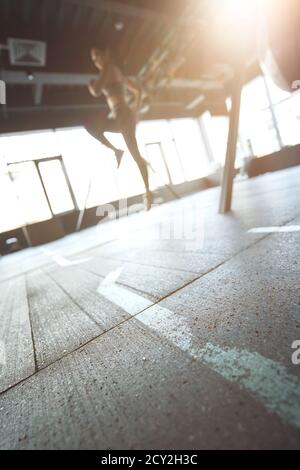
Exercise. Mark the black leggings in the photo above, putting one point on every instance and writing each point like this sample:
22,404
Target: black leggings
125,124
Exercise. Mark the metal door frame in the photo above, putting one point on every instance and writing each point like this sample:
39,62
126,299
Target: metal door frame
163,158
36,163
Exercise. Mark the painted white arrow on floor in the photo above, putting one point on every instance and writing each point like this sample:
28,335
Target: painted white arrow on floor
266,380
129,301
61,260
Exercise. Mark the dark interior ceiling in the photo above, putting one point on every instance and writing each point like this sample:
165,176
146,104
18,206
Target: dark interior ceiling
186,35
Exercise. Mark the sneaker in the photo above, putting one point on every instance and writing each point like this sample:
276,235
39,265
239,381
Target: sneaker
119,154
148,199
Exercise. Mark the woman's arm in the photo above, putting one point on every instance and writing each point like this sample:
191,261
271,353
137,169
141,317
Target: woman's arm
136,91
95,87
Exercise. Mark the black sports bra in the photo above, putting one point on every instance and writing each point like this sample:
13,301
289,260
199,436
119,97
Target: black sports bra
114,89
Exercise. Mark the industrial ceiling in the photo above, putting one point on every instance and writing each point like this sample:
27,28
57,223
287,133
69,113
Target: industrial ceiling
182,52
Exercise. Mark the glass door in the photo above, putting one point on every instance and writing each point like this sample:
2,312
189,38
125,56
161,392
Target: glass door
56,185
159,173
41,190
31,203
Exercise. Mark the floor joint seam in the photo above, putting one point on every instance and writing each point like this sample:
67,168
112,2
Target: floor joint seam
31,326
148,264
134,289
72,299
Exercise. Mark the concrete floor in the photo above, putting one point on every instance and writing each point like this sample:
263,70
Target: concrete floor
168,329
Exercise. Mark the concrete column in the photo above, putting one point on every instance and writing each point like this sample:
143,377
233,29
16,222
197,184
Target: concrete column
228,172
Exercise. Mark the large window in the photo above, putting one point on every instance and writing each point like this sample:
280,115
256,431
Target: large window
287,111
31,200
191,148
270,119
269,122
36,185
56,187
256,123
217,132
90,167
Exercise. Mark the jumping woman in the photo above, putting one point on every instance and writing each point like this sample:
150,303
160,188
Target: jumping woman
115,87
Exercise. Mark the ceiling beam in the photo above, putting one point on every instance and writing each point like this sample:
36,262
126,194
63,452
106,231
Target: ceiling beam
81,79
72,107
44,9
44,78
65,107
113,6
195,102
60,15
77,16
201,84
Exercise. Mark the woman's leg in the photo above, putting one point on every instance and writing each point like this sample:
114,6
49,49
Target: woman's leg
96,128
131,142
128,125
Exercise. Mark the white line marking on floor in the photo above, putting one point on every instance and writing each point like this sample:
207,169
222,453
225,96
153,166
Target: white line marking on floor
264,379
62,261
285,228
